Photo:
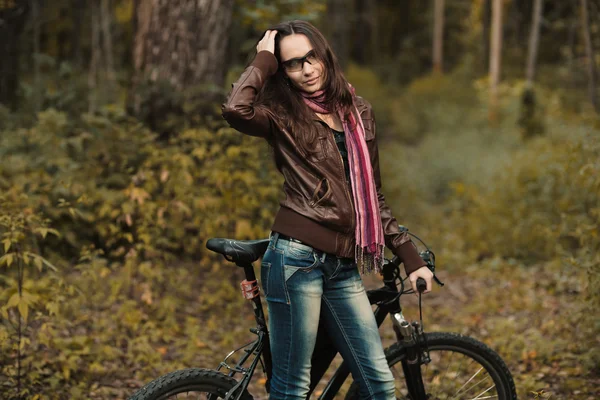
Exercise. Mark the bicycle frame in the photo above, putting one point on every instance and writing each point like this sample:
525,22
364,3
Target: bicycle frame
387,299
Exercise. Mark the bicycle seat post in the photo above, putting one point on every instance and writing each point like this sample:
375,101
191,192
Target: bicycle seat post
251,291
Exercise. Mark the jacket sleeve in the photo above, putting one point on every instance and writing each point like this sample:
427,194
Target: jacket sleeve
397,241
239,109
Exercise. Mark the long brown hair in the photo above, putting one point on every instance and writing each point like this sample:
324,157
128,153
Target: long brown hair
285,101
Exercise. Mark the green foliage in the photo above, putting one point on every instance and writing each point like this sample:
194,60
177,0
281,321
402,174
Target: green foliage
167,110
126,206
543,206
520,218
262,14
425,106
58,86
31,295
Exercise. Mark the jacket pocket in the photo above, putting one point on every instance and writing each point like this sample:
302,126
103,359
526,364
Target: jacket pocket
320,193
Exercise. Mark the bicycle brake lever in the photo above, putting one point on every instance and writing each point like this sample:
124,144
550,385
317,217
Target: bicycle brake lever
437,280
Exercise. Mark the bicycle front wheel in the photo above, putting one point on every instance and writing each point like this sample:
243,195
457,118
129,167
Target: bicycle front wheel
460,368
191,383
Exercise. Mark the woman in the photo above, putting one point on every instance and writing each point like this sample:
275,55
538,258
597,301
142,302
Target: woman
333,223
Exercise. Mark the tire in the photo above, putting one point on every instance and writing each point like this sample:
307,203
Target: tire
443,347
211,383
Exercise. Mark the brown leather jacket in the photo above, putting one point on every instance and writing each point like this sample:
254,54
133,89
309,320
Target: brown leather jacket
318,208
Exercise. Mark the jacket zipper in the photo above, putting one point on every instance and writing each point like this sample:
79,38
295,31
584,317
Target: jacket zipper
352,211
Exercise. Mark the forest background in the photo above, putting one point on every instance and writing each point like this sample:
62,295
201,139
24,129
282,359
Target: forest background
116,167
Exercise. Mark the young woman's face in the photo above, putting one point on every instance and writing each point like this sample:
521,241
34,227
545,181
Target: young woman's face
300,64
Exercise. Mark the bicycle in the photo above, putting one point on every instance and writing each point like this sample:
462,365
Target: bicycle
426,359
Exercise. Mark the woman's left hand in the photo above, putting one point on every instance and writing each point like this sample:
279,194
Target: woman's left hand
424,273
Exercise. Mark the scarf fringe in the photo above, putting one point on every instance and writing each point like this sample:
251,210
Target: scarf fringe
369,262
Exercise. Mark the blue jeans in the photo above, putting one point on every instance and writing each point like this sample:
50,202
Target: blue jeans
301,285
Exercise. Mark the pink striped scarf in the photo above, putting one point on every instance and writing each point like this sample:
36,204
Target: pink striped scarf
369,234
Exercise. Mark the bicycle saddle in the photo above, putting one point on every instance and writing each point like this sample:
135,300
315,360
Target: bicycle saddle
245,251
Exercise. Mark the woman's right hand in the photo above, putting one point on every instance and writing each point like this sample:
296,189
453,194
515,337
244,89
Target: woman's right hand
267,42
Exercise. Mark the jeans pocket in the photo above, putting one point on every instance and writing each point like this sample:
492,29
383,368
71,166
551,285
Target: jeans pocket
272,277
304,265
265,268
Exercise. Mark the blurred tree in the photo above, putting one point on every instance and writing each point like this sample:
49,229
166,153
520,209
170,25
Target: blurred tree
589,52
78,11
13,14
102,66
486,18
363,28
93,70
178,45
530,122
106,24
438,36
495,57
339,19
534,41
35,20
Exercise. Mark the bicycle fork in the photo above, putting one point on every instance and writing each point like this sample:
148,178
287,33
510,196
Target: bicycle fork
411,335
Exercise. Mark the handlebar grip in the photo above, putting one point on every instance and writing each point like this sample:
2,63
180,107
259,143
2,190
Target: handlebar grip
421,285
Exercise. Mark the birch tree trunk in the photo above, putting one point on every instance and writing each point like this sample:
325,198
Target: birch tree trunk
438,36
530,121
589,52
495,58
534,38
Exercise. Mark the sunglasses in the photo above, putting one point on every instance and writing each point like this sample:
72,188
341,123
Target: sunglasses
296,64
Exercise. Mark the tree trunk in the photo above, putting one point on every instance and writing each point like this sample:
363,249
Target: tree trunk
338,29
438,36
362,50
486,18
77,15
182,42
94,60
495,58
589,52
534,38
178,45
530,121
12,20
106,21
573,27
35,16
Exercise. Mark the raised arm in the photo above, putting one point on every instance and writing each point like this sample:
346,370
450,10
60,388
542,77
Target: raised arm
239,109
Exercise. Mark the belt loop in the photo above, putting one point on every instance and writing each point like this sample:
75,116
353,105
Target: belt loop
323,257
275,237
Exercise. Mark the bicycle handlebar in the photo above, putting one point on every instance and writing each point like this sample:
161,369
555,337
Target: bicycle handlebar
421,285
427,255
